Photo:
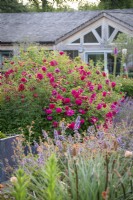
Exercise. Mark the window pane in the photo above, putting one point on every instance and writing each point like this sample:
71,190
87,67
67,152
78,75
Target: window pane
72,53
99,31
119,32
77,41
96,58
90,38
111,30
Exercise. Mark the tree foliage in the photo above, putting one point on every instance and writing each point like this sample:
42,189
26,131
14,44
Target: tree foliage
11,6
115,4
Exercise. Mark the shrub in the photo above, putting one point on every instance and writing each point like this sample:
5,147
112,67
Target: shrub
2,135
126,85
47,88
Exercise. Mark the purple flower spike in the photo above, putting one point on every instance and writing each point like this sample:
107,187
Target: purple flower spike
115,51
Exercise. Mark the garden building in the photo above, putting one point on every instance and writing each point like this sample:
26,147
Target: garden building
89,34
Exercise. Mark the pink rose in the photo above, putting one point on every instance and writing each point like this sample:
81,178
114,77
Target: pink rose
40,76
48,111
53,63
44,69
58,110
21,87
78,102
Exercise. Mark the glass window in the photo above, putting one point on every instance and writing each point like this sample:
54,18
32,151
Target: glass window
5,55
119,32
99,31
72,53
90,38
77,41
111,30
96,58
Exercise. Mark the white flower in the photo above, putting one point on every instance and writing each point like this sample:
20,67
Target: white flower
128,154
13,179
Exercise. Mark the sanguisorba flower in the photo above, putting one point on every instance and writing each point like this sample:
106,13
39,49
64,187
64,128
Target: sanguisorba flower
40,76
21,87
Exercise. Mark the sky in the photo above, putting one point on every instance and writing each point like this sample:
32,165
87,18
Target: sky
74,4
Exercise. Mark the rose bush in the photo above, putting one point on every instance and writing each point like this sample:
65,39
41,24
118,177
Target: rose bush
45,88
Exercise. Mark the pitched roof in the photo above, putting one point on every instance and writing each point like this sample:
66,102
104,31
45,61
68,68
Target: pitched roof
50,27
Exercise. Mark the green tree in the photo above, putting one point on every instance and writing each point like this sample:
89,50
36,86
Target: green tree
115,4
48,5
11,6
84,5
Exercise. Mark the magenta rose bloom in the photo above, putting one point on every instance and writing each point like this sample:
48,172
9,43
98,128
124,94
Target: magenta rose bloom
70,112
48,111
113,84
21,87
78,102
58,110
40,76
53,63
61,53
66,100
99,87
99,106
104,93
49,118
23,80
44,69
51,106
71,126
55,124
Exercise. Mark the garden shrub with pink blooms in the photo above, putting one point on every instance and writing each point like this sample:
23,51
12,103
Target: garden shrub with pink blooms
48,90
